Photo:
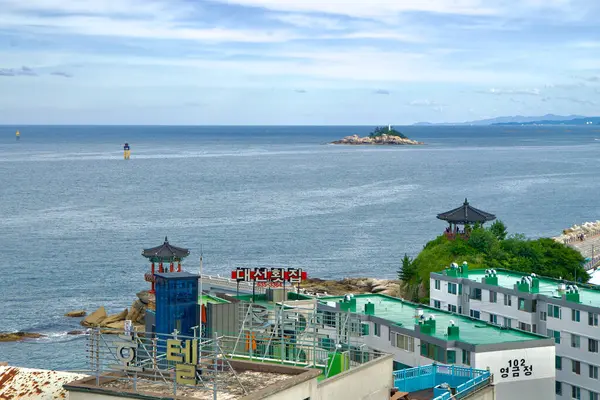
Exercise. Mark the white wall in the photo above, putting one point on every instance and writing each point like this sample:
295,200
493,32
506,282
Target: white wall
541,359
442,295
371,381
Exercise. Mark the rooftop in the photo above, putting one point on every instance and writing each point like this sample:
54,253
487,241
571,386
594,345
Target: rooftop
33,384
466,214
402,313
588,294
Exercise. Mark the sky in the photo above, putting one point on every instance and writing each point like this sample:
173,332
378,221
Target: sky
288,62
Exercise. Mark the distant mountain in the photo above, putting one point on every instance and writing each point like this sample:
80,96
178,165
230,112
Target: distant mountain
575,121
513,120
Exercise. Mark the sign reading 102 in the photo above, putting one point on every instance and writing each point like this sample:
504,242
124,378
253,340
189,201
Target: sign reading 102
515,367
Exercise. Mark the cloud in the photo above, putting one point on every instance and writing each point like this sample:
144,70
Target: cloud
425,103
567,86
576,100
382,91
511,92
61,73
23,71
300,91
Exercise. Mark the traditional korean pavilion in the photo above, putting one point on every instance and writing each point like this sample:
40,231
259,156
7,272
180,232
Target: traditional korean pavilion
464,215
166,253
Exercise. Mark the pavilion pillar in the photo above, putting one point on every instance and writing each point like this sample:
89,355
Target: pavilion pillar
171,267
160,267
178,266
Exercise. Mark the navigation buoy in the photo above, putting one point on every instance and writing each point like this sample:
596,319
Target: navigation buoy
126,151
18,135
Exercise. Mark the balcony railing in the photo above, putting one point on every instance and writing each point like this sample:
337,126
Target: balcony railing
464,380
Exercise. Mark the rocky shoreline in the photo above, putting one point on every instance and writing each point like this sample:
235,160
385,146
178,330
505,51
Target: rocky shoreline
137,312
377,140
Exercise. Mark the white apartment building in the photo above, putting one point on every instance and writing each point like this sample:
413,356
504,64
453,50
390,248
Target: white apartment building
567,312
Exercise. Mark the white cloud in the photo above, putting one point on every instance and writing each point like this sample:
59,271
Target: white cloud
373,8
500,92
425,103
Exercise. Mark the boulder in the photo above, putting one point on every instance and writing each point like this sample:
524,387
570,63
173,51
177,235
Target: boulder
95,318
114,318
75,314
76,332
144,296
18,336
137,312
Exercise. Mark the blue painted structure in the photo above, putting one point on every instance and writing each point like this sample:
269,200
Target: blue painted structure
464,380
176,302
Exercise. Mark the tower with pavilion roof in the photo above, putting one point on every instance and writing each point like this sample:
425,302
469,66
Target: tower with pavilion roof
166,253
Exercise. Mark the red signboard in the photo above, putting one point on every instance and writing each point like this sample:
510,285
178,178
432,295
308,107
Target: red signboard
273,277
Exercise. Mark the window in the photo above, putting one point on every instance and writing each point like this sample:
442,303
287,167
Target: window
575,341
594,396
593,372
451,308
476,294
466,357
521,304
534,328
507,322
437,304
555,334
543,315
460,288
493,319
403,342
451,356
475,314
460,309
576,367
592,345
558,387
376,329
507,300
558,362
554,311
524,327
437,284
592,319
575,315
576,392
452,288
493,297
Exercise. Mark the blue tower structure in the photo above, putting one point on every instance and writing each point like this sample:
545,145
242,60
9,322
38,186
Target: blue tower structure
176,302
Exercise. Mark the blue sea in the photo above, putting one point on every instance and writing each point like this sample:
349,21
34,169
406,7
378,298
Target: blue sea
74,216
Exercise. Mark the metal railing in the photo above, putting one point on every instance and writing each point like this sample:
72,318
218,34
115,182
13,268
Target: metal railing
150,362
465,380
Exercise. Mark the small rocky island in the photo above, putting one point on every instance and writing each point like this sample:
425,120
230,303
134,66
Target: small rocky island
380,136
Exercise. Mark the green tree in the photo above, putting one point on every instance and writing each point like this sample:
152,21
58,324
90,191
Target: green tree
410,279
407,272
499,230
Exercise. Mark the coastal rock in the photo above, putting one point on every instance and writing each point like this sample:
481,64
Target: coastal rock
75,314
144,296
352,285
95,318
137,312
18,336
114,318
76,332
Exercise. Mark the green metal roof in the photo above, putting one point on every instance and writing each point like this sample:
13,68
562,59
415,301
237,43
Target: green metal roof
588,294
206,299
472,331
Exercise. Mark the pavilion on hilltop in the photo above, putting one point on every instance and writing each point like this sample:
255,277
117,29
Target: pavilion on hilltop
463,215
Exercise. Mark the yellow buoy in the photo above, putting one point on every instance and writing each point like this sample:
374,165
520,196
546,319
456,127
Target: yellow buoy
126,151
18,134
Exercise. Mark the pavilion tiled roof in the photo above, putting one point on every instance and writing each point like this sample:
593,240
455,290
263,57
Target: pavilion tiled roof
166,252
466,214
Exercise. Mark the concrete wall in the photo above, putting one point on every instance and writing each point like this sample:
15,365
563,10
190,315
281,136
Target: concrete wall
487,393
302,391
370,381
538,385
